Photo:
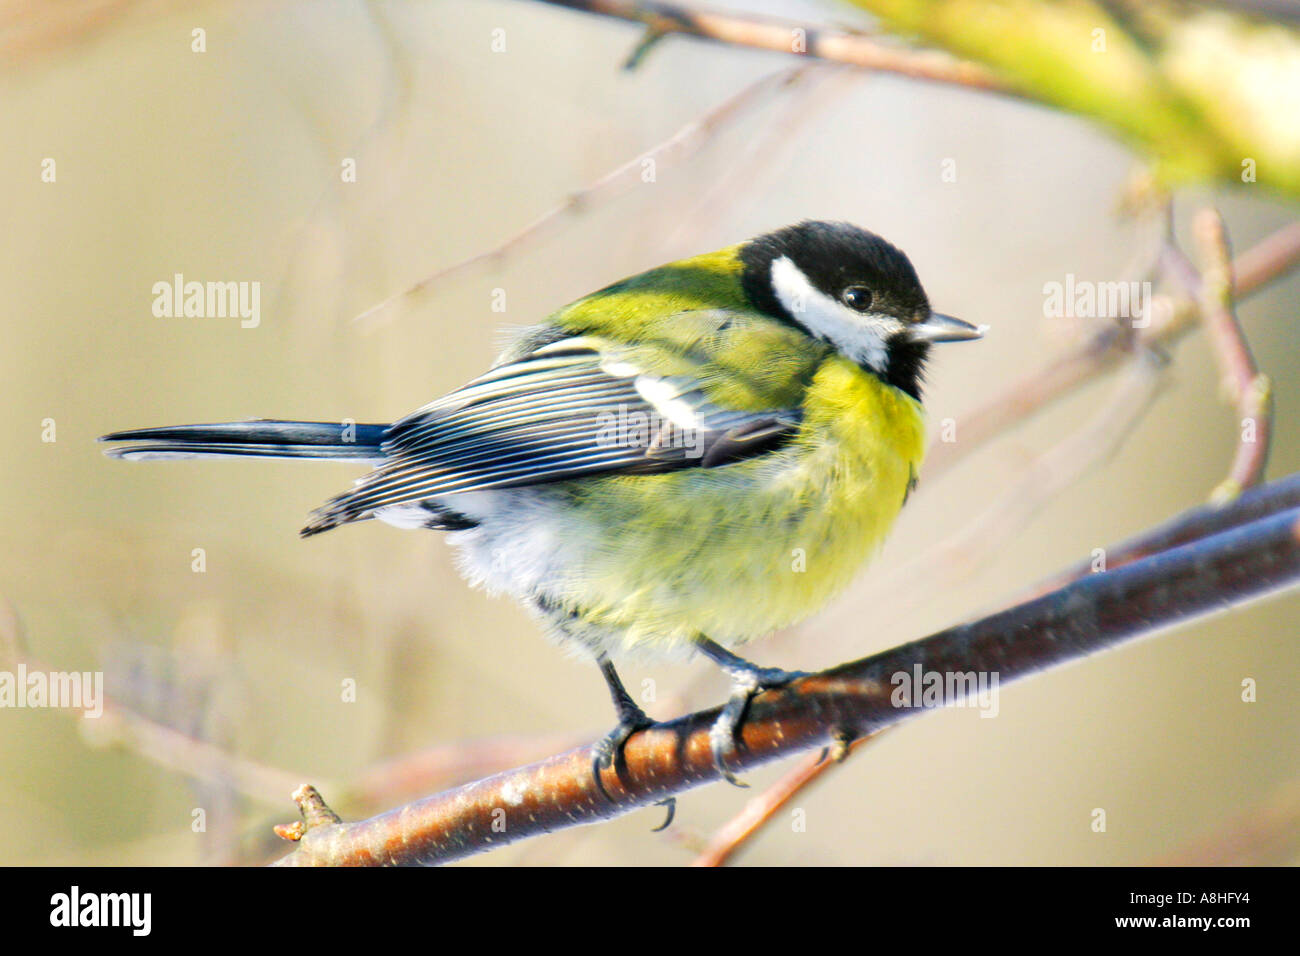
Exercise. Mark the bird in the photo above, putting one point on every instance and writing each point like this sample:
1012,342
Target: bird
681,462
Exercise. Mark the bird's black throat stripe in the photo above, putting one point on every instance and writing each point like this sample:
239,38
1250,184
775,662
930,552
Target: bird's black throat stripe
905,365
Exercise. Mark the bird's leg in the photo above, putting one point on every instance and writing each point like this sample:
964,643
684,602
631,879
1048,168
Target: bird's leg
631,718
747,682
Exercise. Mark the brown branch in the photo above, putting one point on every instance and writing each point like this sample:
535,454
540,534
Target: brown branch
759,811
1249,390
1053,471
1269,259
852,700
851,48
1252,505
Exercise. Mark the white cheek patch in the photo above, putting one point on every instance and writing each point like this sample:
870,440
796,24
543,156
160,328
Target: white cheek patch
859,335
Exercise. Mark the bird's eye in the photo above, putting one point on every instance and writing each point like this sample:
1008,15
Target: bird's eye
857,297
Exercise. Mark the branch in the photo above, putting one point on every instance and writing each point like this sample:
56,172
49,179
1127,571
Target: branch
1269,259
787,36
685,141
1252,505
1062,466
781,137
852,700
121,726
760,810
1207,294
1250,391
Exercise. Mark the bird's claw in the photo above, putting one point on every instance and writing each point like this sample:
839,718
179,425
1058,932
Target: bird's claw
725,732
671,804
608,751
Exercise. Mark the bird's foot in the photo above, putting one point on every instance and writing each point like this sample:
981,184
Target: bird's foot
608,751
748,681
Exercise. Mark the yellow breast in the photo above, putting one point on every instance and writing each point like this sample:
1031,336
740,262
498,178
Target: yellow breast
738,551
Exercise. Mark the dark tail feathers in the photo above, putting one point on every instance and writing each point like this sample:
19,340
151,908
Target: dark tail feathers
260,438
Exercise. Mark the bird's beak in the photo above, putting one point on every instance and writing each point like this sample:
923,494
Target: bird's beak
944,328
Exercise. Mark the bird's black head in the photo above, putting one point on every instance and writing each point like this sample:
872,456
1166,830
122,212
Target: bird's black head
852,289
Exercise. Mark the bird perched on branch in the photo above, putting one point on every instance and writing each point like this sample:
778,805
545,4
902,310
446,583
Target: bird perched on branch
682,461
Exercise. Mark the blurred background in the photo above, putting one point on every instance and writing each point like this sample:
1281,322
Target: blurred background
228,683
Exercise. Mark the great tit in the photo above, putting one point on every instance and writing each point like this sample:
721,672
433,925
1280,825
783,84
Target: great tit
683,461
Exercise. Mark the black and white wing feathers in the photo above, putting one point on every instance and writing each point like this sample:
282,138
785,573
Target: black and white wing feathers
567,410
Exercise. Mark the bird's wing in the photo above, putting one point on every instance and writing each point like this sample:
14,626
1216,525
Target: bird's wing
570,408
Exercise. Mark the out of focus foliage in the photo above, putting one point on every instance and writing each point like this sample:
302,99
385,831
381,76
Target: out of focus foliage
1206,91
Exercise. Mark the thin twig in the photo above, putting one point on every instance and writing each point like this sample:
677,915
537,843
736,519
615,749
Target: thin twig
852,48
1055,470
119,725
1253,504
183,753
682,143
122,726
1100,611
759,811
1274,257
1250,391
1270,258
780,137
